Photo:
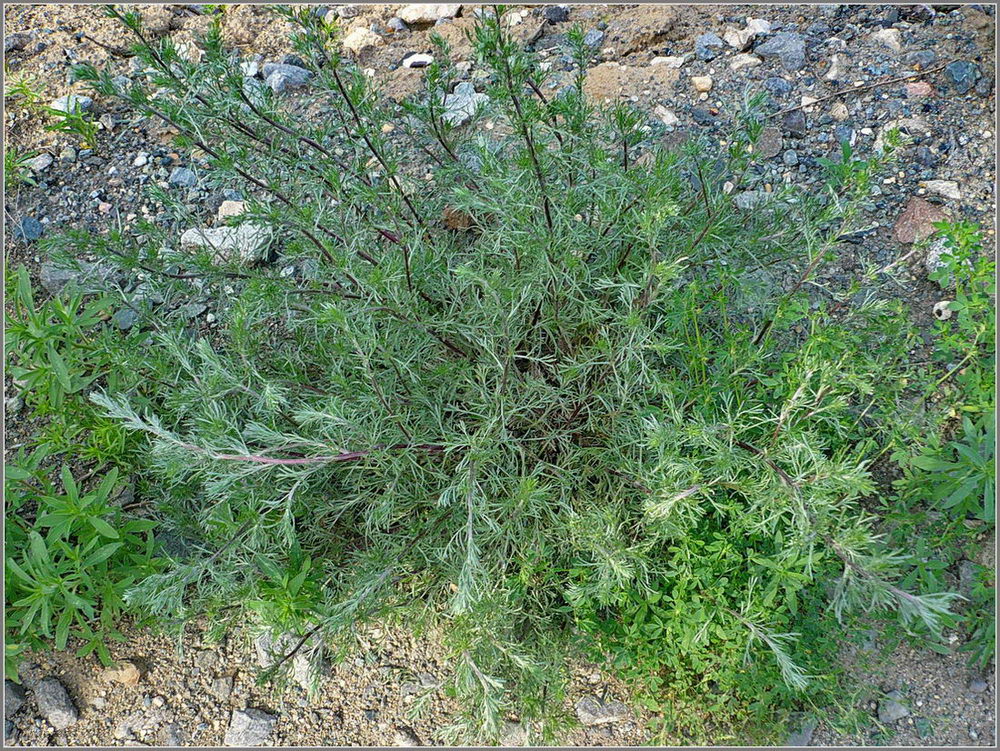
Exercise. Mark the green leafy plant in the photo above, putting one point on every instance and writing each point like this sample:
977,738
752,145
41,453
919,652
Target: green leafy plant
965,341
522,381
75,122
16,170
68,567
25,89
960,474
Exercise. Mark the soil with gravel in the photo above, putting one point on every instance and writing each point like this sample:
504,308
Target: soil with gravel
690,66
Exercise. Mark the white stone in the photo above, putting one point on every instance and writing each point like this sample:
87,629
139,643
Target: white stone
360,39
246,242
941,310
759,26
41,162
461,104
890,38
670,62
418,61
744,60
946,188
230,208
666,116
838,68
72,103
737,38
428,12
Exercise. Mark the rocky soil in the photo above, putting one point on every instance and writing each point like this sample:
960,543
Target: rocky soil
691,67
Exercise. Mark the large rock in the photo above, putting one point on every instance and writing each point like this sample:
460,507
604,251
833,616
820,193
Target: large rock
247,242
916,220
249,727
424,13
592,711
90,276
962,75
787,47
54,704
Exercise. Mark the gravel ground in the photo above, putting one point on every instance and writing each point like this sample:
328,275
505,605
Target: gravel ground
657,56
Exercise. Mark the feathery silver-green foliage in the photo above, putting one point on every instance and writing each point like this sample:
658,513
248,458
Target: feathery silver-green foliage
506,422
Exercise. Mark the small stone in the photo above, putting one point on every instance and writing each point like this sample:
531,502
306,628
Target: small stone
701,83
361,39
916,221
426,13
978,685
405,738
593,38
839,112
555,13
962,75
171,735
702,116
125,318
72,103
127,674
667,117
592,711
281,76
769,142
141,160
13,698
249,727
708,46
396,25
672,62
743,60
794,124
738,39
246,242
890,38
513,734
16,41
67,155
221,688
751,199
28,229
230,208
946,188
802,736
41,162
777,86
417,60
890,709
182,177
787,47
54,704
919,58
925,157
838,68
461,104
790,158
918,90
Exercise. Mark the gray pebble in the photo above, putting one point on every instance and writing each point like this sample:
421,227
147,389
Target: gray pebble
249,727
790,158
891,709
28,229
182,177
54,704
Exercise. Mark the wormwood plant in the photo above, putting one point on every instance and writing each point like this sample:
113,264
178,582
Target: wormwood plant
522,380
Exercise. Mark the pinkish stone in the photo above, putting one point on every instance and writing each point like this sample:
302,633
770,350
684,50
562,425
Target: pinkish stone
918,89
916,221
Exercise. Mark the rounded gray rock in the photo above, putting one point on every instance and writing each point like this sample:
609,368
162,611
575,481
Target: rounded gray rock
249,727
54,704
